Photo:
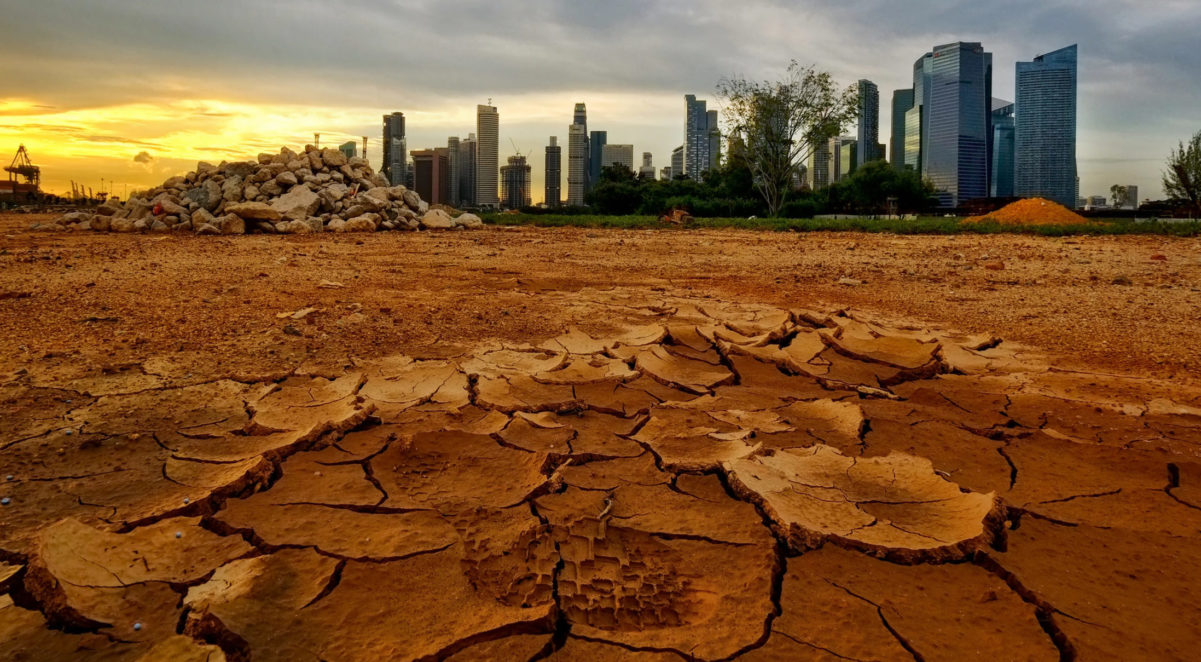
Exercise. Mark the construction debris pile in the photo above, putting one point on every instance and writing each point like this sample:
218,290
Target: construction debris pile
1034,211
318,190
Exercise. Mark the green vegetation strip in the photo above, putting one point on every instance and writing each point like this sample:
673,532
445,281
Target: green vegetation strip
922,225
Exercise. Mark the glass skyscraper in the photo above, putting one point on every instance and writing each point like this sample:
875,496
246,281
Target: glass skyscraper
702,139
902,103
1045,128
958,123
915,117
869,122
1002,150
596,148
395,154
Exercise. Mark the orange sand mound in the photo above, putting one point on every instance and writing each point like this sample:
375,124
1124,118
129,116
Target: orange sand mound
1034,211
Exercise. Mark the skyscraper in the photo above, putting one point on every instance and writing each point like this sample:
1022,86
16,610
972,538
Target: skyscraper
453,157
915,117
647,171
1045,128
956,154
869,122
902,103
487,128
577,164
702,139
467,171
848,157
395,154
431,175
1002,169
554,173
515,179
580,117
596,156
619,154
818,172
677,161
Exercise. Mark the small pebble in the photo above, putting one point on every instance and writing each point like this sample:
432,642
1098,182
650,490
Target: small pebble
179,534
68,432
137,626
5,501
185,499
8,477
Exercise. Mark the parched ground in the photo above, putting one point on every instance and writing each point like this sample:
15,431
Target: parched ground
591,445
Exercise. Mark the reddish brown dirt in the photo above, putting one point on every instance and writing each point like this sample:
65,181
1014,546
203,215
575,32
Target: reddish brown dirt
582,445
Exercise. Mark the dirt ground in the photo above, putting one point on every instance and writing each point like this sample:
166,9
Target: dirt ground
598,445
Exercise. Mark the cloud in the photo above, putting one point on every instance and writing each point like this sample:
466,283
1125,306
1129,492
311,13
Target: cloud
143,157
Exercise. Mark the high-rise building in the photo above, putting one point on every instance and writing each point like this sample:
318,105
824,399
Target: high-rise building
596,156
452,149
916,128
647,170
410,178
955,154
350,148
431,175
902,103
577,164
515,179
848,157
395,154
1045,127
487,129
817,175
467,171
618,154
580,117
554,173
677,162
702,138
1132,196
1001,185
869,122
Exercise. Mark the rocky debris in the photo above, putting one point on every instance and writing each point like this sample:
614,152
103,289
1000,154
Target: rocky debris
715,481
285,193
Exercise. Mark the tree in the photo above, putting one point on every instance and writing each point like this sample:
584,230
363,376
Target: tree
1120,195
779,122
1182,181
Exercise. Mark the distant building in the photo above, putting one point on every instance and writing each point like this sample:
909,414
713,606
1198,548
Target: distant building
554,173
902,103
466,164
1001,185
647,170
915,117
848,157
350,148
867,143
395,154
820,162
619,154
596,156
410,176
1045,133
1132,196
702,138
487,128
577,164
665,174
1098,202
580,117
455,158
677,162
515,179
431,175
955,155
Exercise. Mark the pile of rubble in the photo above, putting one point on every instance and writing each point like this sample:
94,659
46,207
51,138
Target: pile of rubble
317,190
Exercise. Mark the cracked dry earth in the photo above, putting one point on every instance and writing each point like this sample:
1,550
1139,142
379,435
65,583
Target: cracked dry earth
716,481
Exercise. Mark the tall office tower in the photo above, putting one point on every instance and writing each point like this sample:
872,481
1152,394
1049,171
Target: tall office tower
848,157
349,148
714,140
956,155
554,173
467,171
431,175
1001,185
1132,196
515,180
701,138
596,156
580,116
902,103
410,176
647,171
618,154
452,148
665,174
577,164
677,161
869,122
915,118
395,154
487,148
1045,133
818,172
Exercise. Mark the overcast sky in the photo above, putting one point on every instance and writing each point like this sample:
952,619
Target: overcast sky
90,85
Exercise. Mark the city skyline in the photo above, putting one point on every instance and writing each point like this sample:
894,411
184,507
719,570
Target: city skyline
84,117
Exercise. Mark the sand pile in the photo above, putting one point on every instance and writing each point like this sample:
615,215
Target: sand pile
1034,211
316,190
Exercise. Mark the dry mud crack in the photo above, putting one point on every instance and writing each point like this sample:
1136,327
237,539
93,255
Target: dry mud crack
718,481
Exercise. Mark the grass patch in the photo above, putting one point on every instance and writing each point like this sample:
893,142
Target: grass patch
922,225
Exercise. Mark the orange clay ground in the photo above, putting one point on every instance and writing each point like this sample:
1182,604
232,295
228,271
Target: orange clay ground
599,445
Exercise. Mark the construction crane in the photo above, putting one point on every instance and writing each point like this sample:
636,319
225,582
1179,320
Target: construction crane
23,167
